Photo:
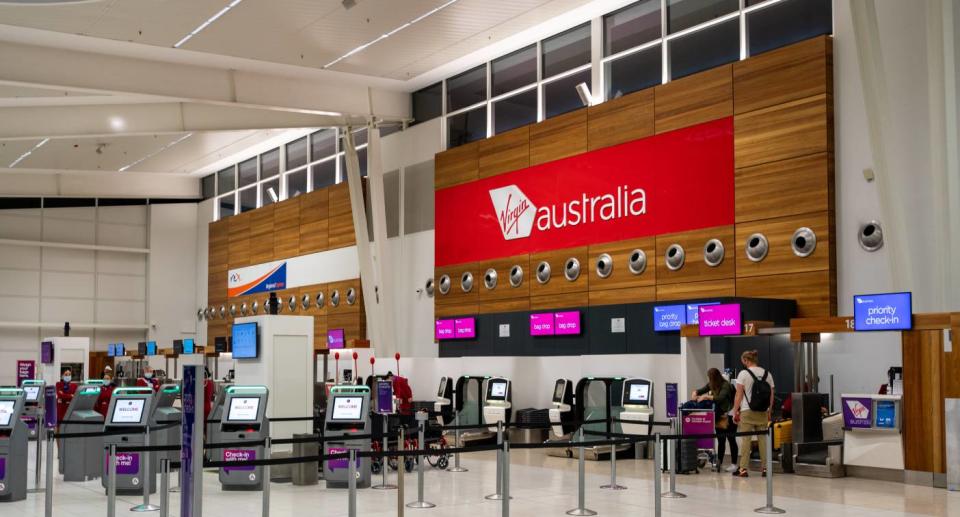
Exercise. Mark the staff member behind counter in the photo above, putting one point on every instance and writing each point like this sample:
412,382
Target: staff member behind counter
103,401
147,380
66,389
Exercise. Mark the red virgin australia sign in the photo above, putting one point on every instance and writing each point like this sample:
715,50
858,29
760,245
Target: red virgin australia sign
672,182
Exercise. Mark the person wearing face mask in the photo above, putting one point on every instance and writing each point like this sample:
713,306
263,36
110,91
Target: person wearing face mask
66,389
147,379
103,401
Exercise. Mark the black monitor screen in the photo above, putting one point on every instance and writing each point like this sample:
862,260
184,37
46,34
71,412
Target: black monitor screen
443,387
558,391
220,344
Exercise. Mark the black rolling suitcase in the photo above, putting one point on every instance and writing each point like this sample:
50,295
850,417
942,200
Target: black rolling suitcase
687,457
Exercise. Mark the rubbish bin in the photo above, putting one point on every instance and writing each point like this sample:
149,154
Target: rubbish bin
305,473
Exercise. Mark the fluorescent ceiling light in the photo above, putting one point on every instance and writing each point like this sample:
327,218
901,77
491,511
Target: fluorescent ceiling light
158,151
28,153
391,33
204,25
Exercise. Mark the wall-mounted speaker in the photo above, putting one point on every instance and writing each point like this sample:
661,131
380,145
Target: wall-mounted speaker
713,252
233,309
320,300
604,265
804,242
335,298
490,279
571,269
305,301
292,303
445,284
466,281
638,262
266,305
211,312
223,312
871,236
428,287
757,247
244,309
254,307
200,315
280,305
675,257
351,296
543,272
516,276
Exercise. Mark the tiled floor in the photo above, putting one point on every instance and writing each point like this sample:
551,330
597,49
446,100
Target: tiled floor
541,486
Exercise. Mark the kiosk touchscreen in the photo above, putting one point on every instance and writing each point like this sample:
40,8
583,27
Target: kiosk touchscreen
80,458
33,410
13,446
348,415
497,402
243,419
129,414
166,418
561,410
443,405
637,406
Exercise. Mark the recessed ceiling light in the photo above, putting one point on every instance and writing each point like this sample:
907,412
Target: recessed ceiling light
28,153
158,151
204,25
391,33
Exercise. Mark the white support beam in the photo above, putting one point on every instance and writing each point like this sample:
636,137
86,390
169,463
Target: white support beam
31,123
384,326
38,182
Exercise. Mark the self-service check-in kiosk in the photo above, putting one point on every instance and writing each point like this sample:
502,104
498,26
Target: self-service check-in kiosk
872,435
348,414
129,413
443,405
497,405
561,411
166,417
637,406
82,458
33,406
13,446
244,419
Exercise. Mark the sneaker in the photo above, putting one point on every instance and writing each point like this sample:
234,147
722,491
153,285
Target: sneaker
732,468
741,473
764,473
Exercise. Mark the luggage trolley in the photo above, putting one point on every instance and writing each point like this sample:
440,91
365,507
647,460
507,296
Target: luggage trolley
693,453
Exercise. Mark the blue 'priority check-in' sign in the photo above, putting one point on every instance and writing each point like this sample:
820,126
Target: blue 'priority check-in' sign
887,311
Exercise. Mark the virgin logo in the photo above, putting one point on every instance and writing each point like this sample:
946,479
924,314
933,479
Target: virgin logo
857,409
515,212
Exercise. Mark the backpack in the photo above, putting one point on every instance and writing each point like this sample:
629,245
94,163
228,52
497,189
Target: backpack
759,399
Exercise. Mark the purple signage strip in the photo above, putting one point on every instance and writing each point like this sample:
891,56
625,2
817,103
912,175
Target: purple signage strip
465,328
670,389
239,455
187,421
128,463
25,370
856,412
720,320
541,324
567,323
335,338
340,463
445,330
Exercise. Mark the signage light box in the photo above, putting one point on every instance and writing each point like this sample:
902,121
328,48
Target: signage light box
720,320
667,318
889,311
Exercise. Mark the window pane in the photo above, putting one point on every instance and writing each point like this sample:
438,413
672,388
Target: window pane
683,14
296,154
566,50
561,96
208,186
467,88
514,70
296,183
247,172
324,174
788,22
427,103
467,127
418,197
391,202
225,180
227,205
361,158
270,192
386,131
248,199
631,26
270,163
323,144
633,72
705,49
515,111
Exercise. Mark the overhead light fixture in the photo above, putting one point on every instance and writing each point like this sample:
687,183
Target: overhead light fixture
158,151
391,33
583,90
273,194
28,153
210,20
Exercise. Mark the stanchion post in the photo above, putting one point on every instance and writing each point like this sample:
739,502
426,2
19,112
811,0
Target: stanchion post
499,493
165,487
383,460
657,472
265,479
672,453
581,509
352,484
146,478
420,503
456,434
505,504
613,471
400,472
40,422
112,481
769,508
48,495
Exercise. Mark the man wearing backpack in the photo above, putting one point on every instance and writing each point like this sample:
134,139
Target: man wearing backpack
752,407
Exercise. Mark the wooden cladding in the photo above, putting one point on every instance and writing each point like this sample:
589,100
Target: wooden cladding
781,103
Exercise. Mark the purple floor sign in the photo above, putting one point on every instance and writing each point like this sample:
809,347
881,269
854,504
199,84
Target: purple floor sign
239,455
341,463
672,399
128,463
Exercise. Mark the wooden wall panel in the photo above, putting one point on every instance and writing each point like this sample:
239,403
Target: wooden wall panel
788,130
239,240
320,332
500,306
618,296
504,290
783,75
951,362
923,411
456,295
314,224
694,268
558,284
781,259
695,290
815,295
504,153
620,120
558,137
261,234
342,287
341,231
784,188
455,166
694,99
621,277
350,322
558,301
455,309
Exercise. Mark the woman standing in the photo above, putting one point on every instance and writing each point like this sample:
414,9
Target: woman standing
720,391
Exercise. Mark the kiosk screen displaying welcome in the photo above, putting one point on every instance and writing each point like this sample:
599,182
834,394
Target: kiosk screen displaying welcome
6,411
243,409
128,411
347,408
891,311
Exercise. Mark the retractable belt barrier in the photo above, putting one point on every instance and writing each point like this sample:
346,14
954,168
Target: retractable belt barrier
115,432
